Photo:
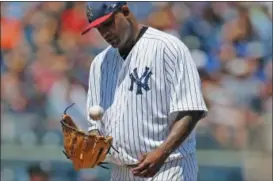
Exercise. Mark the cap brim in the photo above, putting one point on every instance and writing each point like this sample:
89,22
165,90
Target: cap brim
96,23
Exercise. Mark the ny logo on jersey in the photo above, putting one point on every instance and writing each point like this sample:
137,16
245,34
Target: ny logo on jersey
141,82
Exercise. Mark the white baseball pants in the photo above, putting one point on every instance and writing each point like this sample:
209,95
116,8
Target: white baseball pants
182,169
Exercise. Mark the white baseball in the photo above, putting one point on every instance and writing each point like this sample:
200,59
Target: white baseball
96,112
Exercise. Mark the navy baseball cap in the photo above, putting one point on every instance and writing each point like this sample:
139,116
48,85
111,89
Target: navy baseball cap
99,11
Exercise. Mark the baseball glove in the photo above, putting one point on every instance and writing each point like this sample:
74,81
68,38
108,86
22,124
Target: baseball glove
85,150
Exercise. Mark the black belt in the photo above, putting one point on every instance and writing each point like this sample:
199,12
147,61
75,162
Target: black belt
131,165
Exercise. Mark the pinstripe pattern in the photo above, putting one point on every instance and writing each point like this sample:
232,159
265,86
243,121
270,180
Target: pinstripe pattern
181,169
140,122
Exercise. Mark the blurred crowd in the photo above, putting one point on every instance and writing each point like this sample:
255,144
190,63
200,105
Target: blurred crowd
45,67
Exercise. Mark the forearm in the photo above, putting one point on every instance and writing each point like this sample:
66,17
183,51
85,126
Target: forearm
180,130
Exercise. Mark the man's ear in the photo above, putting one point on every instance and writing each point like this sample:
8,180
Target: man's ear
125,10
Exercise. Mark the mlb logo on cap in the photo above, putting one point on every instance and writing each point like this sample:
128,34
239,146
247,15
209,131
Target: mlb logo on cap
98,12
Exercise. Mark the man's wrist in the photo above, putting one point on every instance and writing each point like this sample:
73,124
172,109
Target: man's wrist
166,151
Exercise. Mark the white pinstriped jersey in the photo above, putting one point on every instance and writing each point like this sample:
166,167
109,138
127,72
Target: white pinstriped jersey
141,94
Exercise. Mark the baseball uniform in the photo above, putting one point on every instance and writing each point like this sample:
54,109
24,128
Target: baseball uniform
141,95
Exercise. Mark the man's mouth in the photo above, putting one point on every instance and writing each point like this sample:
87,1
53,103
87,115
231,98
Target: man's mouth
110,38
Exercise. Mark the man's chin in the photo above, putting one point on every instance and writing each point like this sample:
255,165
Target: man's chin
116,45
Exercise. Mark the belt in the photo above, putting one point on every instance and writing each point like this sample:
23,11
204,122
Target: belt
127,165
131,165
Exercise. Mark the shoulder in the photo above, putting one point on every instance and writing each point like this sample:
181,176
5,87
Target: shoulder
166,39
173,47
102,56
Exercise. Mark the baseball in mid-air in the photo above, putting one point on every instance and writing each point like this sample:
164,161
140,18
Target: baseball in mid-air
96,112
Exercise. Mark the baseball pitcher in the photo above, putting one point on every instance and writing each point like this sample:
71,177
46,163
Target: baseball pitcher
150,91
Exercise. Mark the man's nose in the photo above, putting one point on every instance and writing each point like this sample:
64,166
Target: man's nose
106,34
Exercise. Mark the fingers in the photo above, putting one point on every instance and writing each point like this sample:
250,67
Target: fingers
141,167
142,158
140,162
149,172
145,169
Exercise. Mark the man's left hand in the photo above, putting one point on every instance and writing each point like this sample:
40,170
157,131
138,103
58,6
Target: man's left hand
150,163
